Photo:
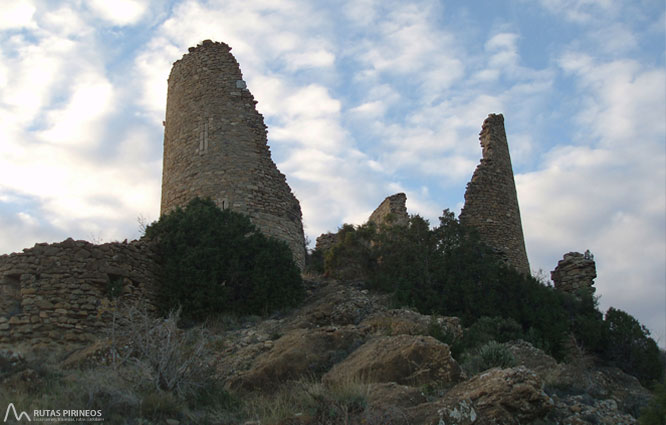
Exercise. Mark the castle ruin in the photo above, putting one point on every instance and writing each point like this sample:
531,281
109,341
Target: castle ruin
215,146
65,292
393,210
575,273
491,202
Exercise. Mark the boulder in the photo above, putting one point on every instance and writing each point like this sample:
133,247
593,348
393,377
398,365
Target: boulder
497,396
387,395
585,410
403,321
337,304
600,383
297,353
533,358
404,359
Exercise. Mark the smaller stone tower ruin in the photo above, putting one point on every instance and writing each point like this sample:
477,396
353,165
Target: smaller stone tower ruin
575,273
392,210
491,202
215,146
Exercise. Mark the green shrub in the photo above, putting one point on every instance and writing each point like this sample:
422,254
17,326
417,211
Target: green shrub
630,347
492,354
314,262
352,257
216,261
447,270
488,329
655,412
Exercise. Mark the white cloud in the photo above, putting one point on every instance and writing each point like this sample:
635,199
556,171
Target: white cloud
608,192
151,70
581,11
32,75
408,44
315,58
373,109
65,22
80,122
16,14
361,12
119,12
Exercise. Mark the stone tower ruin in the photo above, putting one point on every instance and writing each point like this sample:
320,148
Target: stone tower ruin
491,203
575,273
215,146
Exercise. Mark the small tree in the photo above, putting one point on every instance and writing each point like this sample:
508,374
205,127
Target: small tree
630,347
217,261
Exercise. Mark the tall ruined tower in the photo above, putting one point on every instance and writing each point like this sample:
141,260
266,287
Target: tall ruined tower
215,146
491,203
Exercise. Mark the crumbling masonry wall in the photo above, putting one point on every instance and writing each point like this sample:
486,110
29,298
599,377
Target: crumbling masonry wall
491,202
393,210
575,273
64,292
215,145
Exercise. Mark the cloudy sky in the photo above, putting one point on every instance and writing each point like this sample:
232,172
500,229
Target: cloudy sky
363,99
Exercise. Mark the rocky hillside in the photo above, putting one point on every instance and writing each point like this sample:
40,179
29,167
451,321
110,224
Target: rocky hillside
344,357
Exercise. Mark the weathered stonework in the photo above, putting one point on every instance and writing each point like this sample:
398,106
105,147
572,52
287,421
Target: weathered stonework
575,273
325,241
215,146
491,202
392,210
63,292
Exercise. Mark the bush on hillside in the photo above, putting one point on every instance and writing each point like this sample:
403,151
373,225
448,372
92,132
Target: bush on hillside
217,261
630,347
655,412
448,270
490,355
352,257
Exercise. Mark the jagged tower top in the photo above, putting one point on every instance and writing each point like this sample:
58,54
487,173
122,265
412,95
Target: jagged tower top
215,145
491,202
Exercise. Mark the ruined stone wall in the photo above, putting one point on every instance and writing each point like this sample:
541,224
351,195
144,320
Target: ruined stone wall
215,146
392,210
63,292
491,202
575,273
325,241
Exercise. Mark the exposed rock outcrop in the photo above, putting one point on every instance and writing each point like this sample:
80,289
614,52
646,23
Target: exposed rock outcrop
299,353
404,359
402,321
496,396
